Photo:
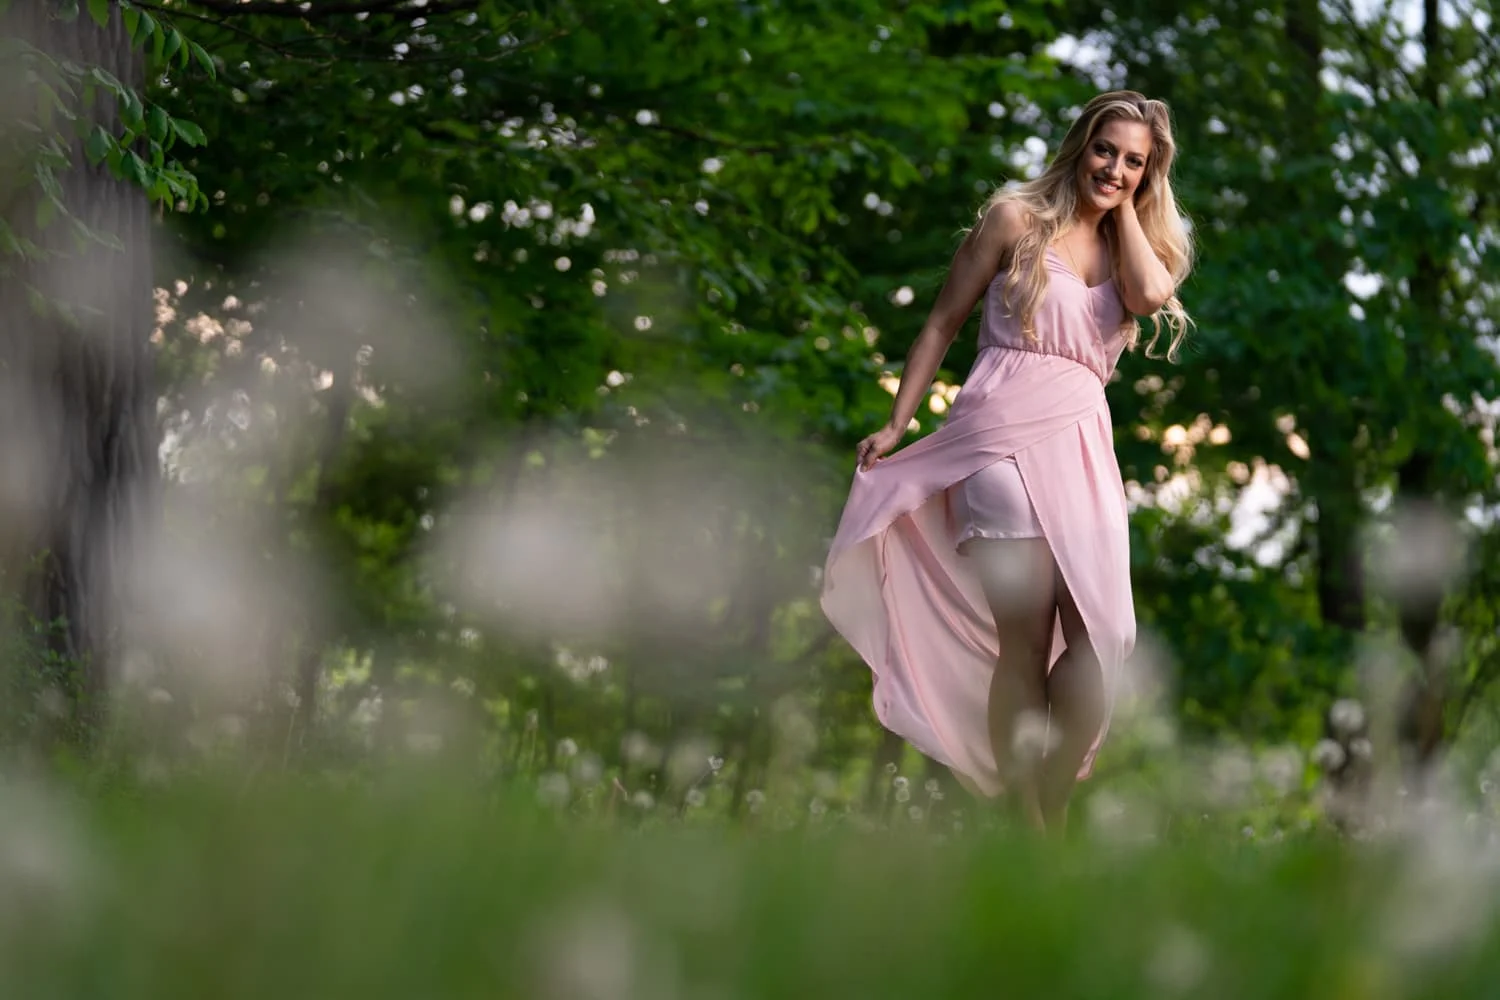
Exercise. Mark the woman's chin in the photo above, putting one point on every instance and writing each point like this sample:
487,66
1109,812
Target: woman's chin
1100,204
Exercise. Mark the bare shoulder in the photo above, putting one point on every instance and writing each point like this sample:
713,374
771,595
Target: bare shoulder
1000,228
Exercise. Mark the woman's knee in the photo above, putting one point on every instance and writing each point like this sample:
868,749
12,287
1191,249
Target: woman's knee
1075,691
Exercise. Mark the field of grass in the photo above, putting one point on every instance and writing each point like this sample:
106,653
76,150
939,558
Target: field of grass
422,889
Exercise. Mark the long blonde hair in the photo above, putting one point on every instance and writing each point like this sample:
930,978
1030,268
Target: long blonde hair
1051,199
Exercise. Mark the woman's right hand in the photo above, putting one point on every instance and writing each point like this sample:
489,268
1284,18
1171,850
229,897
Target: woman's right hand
873,447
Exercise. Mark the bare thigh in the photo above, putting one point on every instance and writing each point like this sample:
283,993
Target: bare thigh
1077,682
1018,576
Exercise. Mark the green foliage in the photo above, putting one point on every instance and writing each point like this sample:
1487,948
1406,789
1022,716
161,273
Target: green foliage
80,107
431,888
38,685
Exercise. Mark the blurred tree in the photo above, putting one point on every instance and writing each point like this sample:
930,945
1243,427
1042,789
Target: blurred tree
82,153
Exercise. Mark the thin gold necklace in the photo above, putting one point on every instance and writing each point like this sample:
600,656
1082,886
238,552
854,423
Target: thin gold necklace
1072,260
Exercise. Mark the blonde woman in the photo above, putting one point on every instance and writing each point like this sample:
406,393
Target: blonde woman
983,573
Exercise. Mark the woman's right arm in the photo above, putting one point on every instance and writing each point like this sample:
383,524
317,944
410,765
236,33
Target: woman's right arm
974,266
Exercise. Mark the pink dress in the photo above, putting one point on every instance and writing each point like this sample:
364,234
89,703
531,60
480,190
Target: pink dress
896,586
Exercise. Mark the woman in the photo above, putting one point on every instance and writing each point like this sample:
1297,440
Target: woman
984,572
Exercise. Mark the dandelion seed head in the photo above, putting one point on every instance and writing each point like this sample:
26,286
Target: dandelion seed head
592,949
794,733
688,762
1443,899
1119,821
553,790
636,747
1032,739
1281,768
1231,774
46,871
1180,961
588,769
1329,755
1347,717
1419,555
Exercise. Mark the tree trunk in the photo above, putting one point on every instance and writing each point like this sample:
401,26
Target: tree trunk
1425,697
1334,479
77,463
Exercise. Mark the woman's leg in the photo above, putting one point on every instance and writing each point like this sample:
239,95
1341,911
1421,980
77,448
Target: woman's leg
1075,693
1018,578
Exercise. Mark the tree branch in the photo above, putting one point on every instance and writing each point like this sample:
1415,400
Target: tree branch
249,36
1374,53
328,36
312,10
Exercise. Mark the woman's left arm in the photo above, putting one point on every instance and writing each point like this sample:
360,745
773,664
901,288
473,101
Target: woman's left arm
1145,283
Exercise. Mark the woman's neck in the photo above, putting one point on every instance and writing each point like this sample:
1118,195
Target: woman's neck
1089,220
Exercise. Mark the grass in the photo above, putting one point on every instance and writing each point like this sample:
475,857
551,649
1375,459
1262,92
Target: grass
426,889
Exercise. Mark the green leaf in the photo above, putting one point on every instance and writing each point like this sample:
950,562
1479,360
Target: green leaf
135,169
132,18
188,132
47,104
46,212
99,11
145,28
158,123
132,112
108,81
173,45
98,144
67,10
204,59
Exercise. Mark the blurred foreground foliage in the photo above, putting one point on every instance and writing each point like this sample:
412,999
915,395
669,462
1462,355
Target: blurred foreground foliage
426,886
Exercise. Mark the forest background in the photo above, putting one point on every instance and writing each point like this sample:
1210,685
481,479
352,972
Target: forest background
474,385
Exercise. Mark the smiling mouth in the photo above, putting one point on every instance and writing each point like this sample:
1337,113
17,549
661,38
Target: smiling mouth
1106,187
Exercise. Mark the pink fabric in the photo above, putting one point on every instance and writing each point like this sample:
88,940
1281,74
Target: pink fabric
993,503
895,585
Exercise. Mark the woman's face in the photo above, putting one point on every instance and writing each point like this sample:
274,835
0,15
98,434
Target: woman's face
1113,164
